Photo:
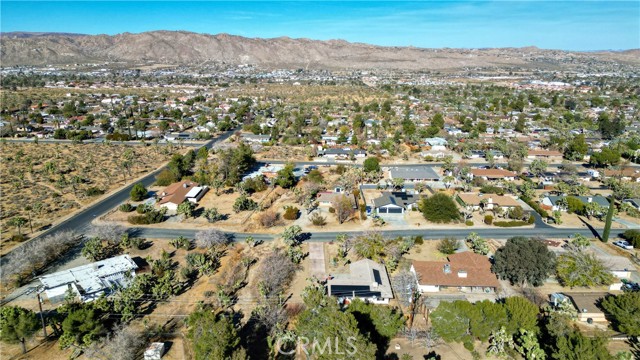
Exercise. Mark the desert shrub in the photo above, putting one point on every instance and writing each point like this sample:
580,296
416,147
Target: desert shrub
144,208
126,207
291,213
151,217
165,177
468,223
535,206
268,218
516,213
244,203
332,210
318,220
531,220
513,223
418,240
488,219
93,191
138,192
256,184
448,246
633,237
491,189
18,238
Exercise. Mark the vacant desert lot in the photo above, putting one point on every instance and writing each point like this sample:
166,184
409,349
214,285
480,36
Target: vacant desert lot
45,182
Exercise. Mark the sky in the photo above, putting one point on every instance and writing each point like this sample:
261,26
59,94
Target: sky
568,25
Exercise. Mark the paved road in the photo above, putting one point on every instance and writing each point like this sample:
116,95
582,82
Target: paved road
82,219
100,140
581,167
428,234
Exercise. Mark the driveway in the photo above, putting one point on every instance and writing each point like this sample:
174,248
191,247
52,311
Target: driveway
627,223
316,259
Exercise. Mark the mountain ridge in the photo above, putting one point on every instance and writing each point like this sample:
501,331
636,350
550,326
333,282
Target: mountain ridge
189,48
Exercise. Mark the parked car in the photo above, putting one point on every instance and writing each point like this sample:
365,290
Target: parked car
623,244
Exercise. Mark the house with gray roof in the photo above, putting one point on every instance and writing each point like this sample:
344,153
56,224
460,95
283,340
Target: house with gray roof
633,202
555,202
367,280
394,203
89,282
414,174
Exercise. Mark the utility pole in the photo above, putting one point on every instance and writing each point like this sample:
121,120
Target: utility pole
44,324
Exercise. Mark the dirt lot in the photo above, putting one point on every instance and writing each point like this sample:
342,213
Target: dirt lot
53,178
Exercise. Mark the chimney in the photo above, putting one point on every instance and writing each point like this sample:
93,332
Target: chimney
590,199
462,273
447,269
185,185
374,285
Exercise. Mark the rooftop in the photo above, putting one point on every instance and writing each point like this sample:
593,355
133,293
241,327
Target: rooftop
417,172
366,278
475,267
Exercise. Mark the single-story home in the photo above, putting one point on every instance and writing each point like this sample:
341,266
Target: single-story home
253,138
627,174
436,143
366,280
342,153
586,304
551,202
89,282
327,198
394,202
544,154
474,201
493,174
633,202
466,271
177,193
414,174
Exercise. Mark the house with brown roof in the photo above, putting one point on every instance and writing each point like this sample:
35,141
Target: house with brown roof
177,193
487,201
544,155
626,174
493,174
466,271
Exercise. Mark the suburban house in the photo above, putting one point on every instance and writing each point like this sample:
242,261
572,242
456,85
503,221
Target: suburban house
253,138
345,153
466,271
327,198
544,155
366,280
474,202
633,202
436,143
554,203
89,282
177,193
493,174
414,174
627,174
394,203
586,304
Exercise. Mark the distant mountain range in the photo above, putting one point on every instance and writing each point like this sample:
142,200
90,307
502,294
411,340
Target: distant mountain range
187,48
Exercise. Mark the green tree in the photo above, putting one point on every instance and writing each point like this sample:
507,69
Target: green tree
538,167
138,192
212,215
286,178
17,325
186,208
291,235
522,314
244,203
440,208
380,324
95,250
606,157
371,164
370,246
577,346
18,222
528,346
577,268
523,260
451,320
213,335
625,311
448,246
332,333
577,148
82,326
491,317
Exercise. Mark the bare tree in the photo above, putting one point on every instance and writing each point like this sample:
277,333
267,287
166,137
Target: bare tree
343,207
124,343
269,218
112,233
211,238
275,273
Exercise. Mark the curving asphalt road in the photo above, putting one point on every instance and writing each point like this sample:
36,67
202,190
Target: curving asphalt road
81,220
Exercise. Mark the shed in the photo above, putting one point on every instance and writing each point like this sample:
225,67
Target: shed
154,351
